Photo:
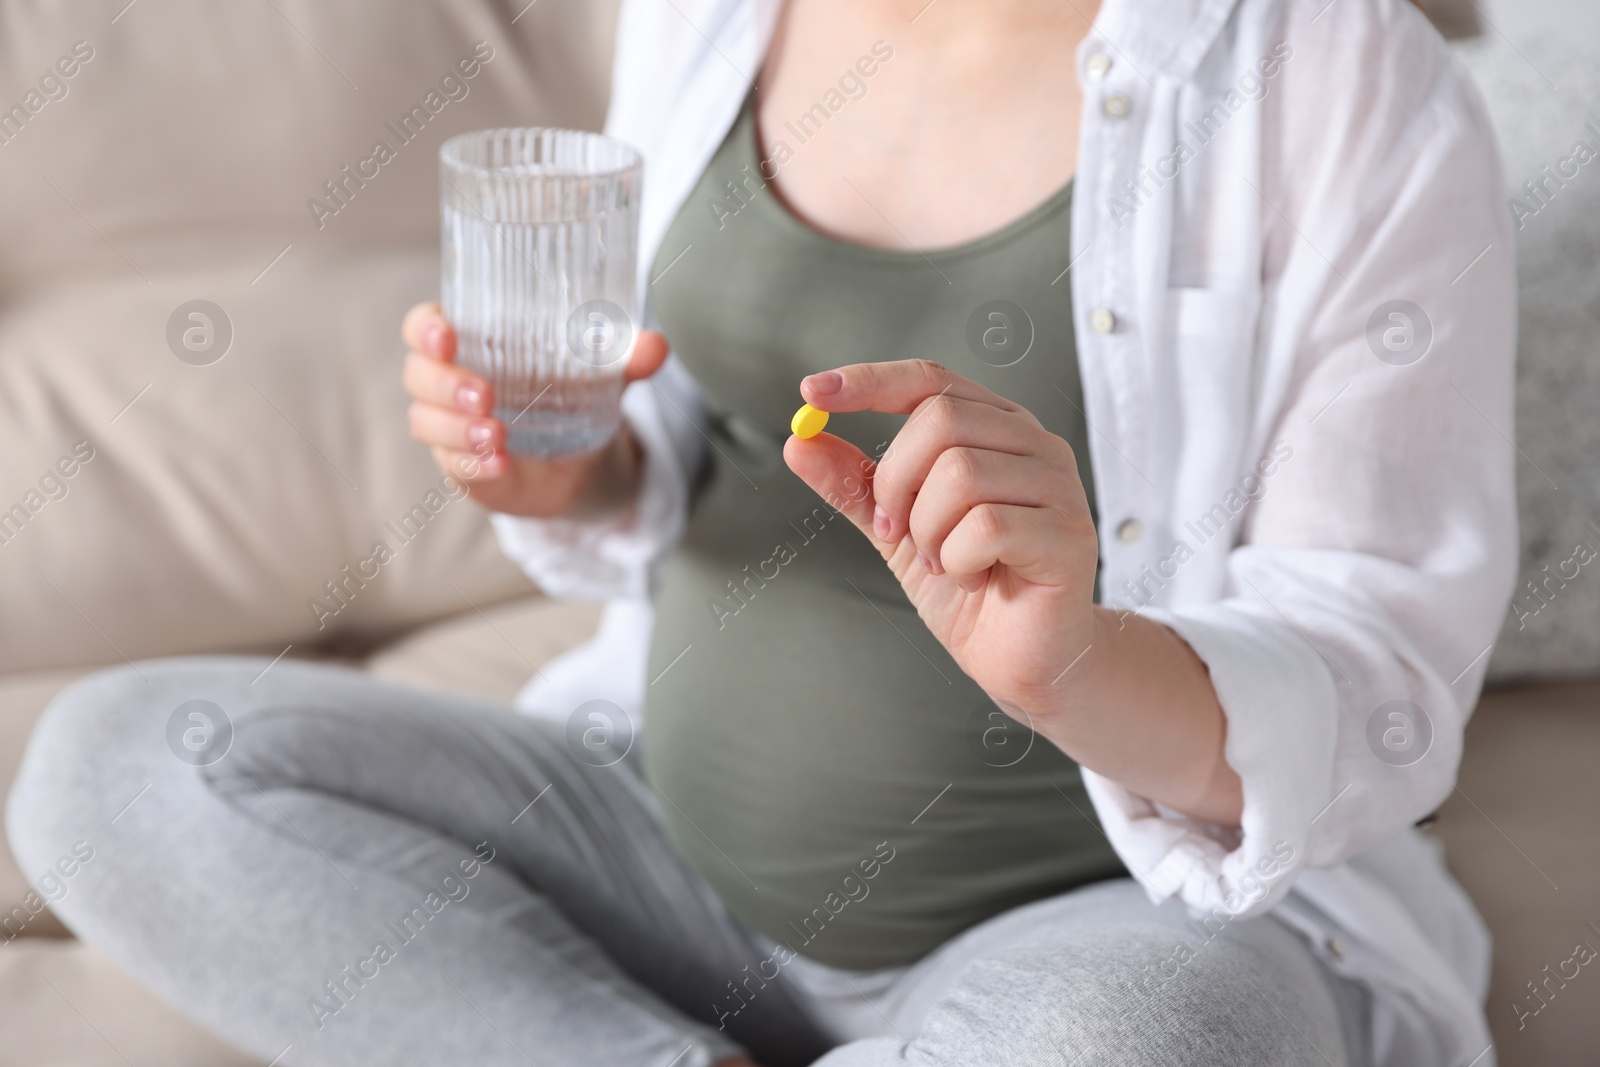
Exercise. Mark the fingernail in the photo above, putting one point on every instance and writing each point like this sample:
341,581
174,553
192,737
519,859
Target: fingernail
880,523
927,564
469,396
829,381
479,433
431,339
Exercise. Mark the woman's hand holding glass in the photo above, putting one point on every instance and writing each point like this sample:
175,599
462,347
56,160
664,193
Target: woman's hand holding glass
451,414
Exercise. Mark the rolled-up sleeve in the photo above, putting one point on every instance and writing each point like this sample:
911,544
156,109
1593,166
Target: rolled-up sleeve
1371,575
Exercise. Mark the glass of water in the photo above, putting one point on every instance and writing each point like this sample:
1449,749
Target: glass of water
540,242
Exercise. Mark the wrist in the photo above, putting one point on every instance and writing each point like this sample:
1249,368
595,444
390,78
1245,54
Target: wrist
611,479
1140,709
1068,689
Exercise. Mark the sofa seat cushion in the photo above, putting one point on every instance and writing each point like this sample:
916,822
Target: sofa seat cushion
489,654
1519,833
63,1003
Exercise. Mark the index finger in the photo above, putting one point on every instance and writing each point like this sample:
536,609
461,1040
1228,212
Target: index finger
426,330
894,388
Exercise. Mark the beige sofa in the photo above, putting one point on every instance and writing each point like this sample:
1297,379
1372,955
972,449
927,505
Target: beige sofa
217,487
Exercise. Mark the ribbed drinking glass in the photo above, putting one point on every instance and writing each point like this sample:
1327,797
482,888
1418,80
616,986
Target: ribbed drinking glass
540,242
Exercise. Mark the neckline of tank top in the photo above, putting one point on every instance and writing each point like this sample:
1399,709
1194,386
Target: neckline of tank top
773,206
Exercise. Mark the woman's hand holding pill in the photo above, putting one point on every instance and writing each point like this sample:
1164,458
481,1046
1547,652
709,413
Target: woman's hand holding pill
977,509
980,513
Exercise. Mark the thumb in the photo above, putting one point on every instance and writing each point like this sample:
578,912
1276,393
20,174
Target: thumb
426,330
841,474
649,352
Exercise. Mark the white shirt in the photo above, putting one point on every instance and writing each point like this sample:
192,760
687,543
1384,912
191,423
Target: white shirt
1331,531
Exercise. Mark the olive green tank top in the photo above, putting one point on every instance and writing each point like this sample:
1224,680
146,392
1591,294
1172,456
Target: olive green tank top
821,759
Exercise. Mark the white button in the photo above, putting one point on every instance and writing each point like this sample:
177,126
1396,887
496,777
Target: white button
1117,105
1129,531
1097,66
1336,947
1101,320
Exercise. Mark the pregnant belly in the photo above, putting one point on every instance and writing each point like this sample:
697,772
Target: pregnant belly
830,771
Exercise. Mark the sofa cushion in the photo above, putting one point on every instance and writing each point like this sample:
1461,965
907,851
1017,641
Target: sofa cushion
489,654
1519,833
62,1003
159,496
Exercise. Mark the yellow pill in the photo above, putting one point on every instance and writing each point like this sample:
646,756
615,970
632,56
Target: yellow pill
808,422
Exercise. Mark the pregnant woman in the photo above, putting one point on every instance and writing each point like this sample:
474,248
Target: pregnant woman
1071,700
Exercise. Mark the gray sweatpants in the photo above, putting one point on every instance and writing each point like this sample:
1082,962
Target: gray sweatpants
328,870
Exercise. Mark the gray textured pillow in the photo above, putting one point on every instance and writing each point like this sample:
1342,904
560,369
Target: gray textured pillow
1535,64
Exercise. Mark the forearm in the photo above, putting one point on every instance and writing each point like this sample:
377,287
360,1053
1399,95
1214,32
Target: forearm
1139,709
